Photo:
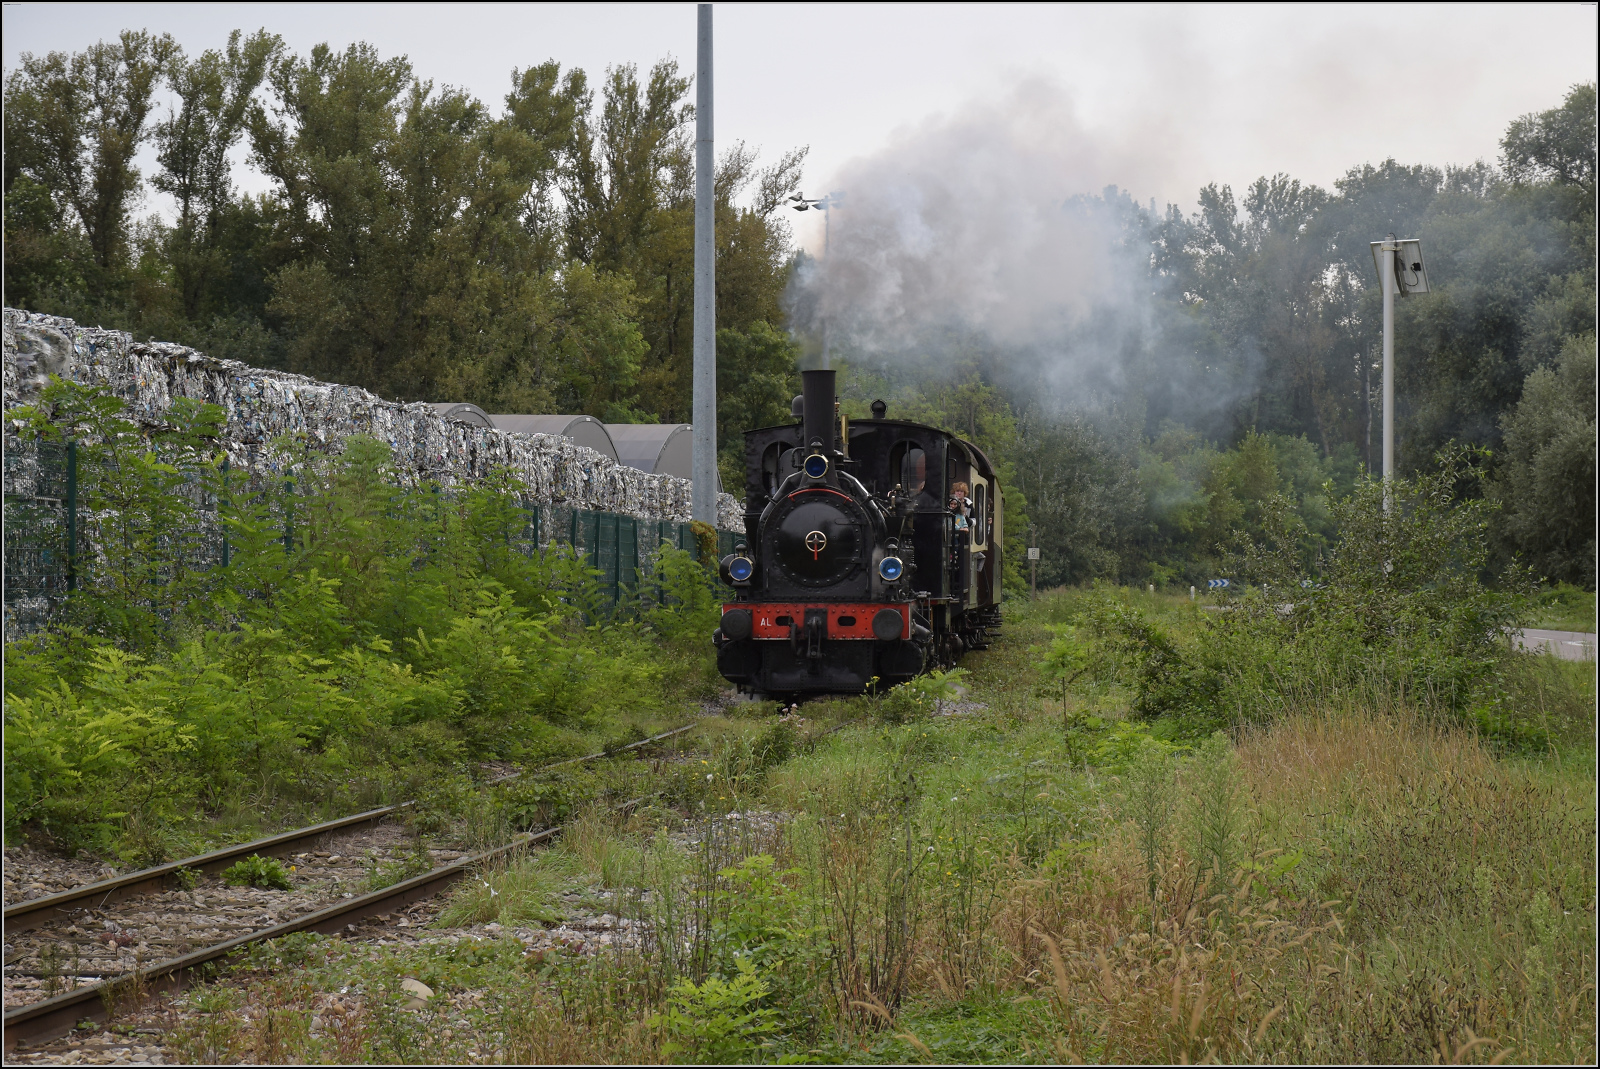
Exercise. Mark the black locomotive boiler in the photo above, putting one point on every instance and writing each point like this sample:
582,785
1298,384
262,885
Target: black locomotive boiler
872,550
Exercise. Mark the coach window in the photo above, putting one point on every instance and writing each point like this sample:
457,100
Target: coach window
980,533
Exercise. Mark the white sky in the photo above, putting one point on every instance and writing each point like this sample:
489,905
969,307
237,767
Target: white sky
1193,94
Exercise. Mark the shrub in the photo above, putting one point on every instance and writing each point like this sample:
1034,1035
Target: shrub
366,638
1400,607
256,871
717,1022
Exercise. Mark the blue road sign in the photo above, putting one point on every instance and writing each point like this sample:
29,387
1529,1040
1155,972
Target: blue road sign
1216,584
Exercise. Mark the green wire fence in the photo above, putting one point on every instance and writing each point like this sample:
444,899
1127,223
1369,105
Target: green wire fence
43,540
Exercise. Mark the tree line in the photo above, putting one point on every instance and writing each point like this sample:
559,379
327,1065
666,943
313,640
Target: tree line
537,257
1251,369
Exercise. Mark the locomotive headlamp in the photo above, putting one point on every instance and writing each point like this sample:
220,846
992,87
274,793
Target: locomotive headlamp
891,568
736,569
816,465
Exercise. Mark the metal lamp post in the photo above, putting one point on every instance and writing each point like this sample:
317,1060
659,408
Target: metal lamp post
704,415
825,205
1400,271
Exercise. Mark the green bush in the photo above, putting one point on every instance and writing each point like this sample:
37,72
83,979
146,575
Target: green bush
1399,607
256,871
366,638
717,1022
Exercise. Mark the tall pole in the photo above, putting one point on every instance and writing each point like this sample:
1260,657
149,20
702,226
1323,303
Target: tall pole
1387,266
827,220
705,286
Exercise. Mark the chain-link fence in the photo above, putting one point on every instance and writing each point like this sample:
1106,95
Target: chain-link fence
45,539
41,523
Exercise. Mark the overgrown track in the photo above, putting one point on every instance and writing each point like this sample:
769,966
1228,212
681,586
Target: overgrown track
25,916
55,1016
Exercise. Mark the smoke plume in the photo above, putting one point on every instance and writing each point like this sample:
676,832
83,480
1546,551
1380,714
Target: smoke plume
994,233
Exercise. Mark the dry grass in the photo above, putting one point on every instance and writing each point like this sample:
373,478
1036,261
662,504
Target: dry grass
1348,884
1324,758
1419,901
538,1032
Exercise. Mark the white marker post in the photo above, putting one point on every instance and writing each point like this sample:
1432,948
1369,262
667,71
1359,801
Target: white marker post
1033,569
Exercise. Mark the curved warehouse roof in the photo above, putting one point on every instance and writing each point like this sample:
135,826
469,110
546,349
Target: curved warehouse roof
659,448
463,412
583,430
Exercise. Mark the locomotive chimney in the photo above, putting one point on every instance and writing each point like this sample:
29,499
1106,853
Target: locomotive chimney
818,414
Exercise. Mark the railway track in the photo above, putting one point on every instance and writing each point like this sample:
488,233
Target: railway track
223,921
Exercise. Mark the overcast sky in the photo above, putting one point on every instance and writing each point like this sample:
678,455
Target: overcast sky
1174,97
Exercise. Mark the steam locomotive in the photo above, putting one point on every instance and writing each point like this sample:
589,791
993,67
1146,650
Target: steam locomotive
872,552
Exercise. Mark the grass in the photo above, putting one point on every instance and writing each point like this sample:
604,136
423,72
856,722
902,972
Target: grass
1566,608
1041,881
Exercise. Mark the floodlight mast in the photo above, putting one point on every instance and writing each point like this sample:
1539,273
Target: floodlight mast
703,495
1398,278
1387,265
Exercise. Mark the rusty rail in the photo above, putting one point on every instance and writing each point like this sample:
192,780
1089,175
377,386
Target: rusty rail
36,911
57,1016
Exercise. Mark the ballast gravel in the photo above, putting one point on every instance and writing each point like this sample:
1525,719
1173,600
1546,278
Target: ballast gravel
88,945
139,1038
31,873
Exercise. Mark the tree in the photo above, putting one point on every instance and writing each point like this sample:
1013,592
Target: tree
214,93
546,106
74,124
1546,483
757,378
631,210
1083,499
408,213
1556,145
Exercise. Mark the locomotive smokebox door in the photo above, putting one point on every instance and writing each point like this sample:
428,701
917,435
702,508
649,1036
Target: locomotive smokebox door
818,543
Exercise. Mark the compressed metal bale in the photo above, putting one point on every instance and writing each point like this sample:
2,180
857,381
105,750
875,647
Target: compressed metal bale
260,405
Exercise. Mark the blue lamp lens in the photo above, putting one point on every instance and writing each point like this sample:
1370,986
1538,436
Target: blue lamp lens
816,466
741,568
890,568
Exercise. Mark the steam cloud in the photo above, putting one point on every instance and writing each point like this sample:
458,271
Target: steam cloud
993,232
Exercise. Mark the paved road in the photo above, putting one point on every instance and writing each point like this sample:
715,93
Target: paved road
1568,645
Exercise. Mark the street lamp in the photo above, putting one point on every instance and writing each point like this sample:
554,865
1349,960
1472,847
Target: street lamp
1400,270
800,203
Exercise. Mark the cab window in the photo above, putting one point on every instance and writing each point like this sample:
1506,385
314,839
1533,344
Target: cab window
772,472
908,466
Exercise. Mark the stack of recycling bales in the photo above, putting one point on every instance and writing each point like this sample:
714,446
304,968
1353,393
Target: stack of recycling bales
261,405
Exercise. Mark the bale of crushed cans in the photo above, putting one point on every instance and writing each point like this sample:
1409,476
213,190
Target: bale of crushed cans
262,405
